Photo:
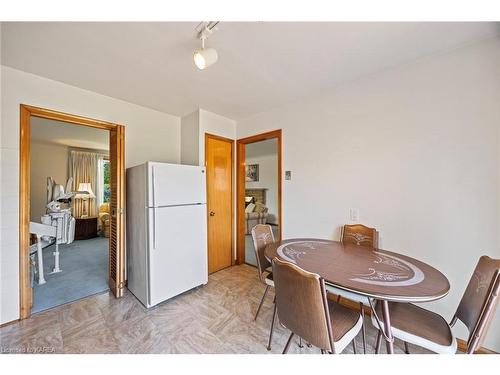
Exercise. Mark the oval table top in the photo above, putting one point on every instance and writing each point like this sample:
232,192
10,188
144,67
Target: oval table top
375,273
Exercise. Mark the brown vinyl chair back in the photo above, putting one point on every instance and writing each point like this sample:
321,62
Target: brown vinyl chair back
480,299
360,235
301,303
262,235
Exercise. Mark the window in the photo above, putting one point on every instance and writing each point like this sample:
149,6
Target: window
106,167
104,178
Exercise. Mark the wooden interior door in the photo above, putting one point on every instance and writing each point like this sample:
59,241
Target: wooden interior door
116,207
219,164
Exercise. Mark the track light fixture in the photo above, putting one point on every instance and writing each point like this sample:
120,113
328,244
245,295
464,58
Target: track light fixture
205,57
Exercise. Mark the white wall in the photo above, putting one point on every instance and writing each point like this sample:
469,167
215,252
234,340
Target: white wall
149,135
190,139
268,173
46,160
193,129
416,149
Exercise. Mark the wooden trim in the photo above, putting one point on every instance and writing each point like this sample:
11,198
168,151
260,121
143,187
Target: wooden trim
462,344
261,137
25,291
117,280
26,112
240,188
122,211
66,117
9,323
231,142
220,138
240,204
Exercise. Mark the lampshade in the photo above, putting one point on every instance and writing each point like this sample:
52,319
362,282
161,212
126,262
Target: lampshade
85,187
203,58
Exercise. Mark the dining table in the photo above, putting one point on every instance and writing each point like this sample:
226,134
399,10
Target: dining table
380,275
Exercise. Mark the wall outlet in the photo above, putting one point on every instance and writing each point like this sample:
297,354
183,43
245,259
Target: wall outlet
354,214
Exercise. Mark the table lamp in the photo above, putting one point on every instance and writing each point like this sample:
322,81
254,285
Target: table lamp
85,192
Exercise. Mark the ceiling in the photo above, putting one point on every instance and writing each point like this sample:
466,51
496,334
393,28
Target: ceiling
62,133
261,65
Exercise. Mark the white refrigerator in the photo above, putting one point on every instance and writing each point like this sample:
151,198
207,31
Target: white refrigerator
166,230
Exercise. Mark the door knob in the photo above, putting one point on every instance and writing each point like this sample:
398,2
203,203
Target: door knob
212,213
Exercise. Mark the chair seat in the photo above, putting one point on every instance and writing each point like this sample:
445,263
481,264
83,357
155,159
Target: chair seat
419,326
269,279
346,324
348,295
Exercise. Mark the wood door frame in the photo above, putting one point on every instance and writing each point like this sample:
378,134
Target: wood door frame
26,112
240,198
231,142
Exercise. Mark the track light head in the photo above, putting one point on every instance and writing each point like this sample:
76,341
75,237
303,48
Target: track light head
205,57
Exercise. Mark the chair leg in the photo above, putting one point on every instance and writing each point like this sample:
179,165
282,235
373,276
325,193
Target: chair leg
272,326
363,328
407,349
322,351
354,348
261,302
300,343
379,342
288,343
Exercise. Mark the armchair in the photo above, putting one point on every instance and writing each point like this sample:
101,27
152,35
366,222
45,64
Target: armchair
104,220
255,214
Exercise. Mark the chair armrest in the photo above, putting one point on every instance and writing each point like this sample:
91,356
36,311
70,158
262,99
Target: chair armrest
256,215
104,217
43,229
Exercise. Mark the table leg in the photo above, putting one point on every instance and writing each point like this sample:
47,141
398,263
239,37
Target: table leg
41,277
387,327
56,259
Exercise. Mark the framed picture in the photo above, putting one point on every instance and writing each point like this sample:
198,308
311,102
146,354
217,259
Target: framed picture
252,173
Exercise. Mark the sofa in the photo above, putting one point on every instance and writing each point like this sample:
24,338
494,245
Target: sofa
255,213
103,220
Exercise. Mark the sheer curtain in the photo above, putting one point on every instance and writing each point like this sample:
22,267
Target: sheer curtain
84,167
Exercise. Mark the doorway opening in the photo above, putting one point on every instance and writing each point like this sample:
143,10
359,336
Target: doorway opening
71,209
259,190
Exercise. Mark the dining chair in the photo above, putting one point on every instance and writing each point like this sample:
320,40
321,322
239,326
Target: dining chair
304,309
262,235
429,330
359,235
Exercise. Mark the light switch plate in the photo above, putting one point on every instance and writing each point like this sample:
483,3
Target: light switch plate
354,214
288,175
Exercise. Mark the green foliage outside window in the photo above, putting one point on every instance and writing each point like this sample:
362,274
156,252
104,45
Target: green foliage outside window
107,181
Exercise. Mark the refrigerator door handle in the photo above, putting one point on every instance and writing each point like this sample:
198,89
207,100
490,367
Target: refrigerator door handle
154,185
154,206
154,227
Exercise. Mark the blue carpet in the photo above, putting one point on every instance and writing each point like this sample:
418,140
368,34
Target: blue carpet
84,267
249,250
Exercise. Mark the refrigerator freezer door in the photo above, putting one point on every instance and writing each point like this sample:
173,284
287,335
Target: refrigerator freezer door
178,251
176,184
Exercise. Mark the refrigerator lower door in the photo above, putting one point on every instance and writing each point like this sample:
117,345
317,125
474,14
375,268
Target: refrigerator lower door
178,251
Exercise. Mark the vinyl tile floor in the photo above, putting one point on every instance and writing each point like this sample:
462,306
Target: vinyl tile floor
214,318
